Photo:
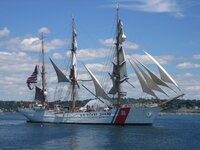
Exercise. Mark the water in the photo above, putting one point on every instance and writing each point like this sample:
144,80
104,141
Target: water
169,132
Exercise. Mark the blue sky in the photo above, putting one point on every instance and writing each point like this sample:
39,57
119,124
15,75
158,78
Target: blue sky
167,29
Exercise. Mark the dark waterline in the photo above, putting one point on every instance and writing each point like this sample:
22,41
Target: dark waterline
169,132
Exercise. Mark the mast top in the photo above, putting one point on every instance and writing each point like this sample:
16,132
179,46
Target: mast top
117,8
72,22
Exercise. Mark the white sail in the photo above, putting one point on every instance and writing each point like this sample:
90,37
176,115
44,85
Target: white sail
122,61
60,75
143,84
155,78
74,64
98,88
122,70
73,69
163,73
75,45
122,36
151,84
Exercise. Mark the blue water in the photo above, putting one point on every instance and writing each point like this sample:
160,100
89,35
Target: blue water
169,132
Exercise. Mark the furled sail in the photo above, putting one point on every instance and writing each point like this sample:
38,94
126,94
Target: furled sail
121,35
98,88
154,77
143,84
73,69
60,75
122,62
39,95
113,90
119,63
151,84
163,73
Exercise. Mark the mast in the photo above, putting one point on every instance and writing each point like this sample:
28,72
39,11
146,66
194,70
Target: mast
73,70
119,74
43,71
117,65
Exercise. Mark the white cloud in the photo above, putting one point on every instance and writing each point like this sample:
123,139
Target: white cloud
107,42
55,44
155,6
97,67
196,56
188,75
127,44
187,65
57,56
146,60
11,44
34,44
4,32
44,30
31,43
165,59
131,46
88,54
194,88
14,69
12,62
189,84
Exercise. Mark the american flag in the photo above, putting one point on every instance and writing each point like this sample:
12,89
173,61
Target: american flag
32,78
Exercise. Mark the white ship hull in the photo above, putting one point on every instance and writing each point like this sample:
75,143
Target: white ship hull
116,116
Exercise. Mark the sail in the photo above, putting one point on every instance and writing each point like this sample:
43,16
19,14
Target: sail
98,88
39,96
163,73
122,70
73,69
121,35
119,63
122,62
60,75
143,84
113,89
151,84
155,78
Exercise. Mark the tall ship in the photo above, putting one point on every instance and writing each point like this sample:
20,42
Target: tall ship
110,110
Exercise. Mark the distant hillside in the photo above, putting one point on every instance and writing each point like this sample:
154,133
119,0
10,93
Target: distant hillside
174,107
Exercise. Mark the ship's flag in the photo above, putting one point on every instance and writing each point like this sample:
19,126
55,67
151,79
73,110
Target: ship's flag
32,78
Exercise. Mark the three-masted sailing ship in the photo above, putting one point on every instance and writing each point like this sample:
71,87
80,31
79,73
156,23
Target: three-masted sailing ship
114,111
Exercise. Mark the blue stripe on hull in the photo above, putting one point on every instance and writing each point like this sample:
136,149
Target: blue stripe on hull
112,122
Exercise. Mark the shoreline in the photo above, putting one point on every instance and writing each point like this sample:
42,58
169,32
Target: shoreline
183,113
